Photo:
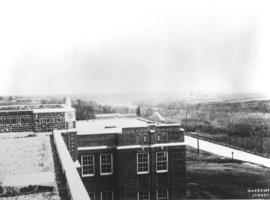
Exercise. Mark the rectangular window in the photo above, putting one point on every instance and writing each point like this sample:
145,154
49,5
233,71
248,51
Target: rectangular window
106,164
92,196
143,195
108,195
162,161
158,138
88,165
142,163
144,138
162,195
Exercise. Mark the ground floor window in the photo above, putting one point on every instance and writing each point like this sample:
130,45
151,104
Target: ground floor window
143,195
107,195
92,196
162,195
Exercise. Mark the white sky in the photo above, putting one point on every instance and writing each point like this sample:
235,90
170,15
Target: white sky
80,47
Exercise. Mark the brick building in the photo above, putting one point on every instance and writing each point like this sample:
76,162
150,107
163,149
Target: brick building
121,157
36,118
132,158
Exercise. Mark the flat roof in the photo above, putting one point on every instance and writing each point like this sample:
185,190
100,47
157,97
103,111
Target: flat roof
114,125
25,154
41,108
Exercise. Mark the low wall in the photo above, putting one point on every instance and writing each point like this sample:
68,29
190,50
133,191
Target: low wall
74,183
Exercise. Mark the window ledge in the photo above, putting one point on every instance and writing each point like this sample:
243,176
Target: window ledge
162,171
105,174
142,173
88,175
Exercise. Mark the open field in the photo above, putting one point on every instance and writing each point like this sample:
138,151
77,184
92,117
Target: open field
212,176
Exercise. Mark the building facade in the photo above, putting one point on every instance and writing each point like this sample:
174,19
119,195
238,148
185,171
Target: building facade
132,159
36,118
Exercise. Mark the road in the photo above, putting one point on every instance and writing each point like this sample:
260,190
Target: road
227,151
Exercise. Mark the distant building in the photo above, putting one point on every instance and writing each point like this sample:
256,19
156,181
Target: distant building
37,118
131,158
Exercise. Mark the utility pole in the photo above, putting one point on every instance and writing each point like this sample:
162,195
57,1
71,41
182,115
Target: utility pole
186,118
198,145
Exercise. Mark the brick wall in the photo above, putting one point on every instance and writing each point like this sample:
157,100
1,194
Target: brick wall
98,140
70,139
46,122
125,182
25,121
99,182
16,121
174,180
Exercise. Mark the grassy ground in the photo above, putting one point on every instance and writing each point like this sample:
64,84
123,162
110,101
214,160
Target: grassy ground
211,176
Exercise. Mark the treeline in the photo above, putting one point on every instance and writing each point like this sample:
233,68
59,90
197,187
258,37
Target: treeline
88,109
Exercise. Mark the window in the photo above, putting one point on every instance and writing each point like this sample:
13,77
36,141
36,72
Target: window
88,165
92,196
162,161
108,195
143,195
144,138
106,161
162,195
142,163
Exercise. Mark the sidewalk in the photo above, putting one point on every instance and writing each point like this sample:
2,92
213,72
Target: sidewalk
227,151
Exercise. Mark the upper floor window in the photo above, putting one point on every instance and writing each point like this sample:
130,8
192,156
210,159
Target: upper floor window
158,138
108,195
162,161
88,165
144,138
106,164
142,163
143,195
162,195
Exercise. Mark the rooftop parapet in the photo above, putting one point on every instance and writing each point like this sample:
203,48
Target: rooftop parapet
74,183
